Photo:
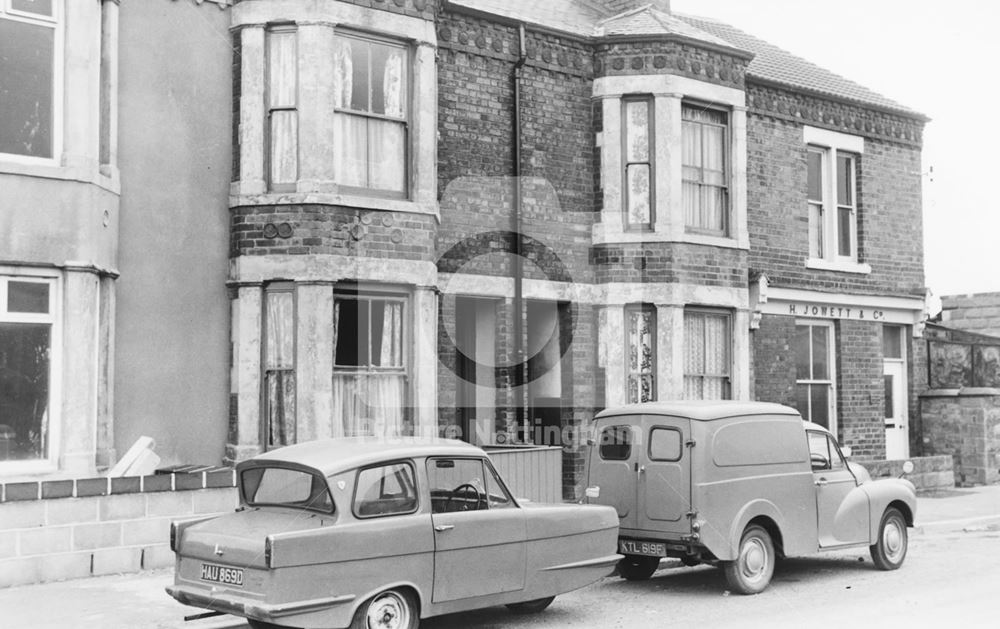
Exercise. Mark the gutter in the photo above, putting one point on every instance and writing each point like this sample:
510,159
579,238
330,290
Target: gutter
520,377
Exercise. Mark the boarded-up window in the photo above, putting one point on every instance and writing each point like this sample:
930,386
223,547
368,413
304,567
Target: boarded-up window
27,77
279,365
371,105
283,115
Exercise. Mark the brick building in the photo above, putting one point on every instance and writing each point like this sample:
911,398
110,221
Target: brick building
490,218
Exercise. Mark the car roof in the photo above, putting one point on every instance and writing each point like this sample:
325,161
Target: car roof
701,410
332,456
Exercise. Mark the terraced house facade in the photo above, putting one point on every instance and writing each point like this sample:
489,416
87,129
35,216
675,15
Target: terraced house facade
492,218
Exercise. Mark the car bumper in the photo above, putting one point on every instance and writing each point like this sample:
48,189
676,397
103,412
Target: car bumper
255,610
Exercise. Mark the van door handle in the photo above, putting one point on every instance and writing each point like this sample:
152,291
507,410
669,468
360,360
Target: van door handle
441,528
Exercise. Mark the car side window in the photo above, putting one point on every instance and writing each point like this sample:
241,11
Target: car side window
616,443
819,451
385,490
836,458
457,485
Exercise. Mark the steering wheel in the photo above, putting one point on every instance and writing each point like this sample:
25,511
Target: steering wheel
464,488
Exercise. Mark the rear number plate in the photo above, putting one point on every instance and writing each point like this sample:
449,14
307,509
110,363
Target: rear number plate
650,549
221,574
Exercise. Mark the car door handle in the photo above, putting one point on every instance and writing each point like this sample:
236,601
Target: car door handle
822,482
441,528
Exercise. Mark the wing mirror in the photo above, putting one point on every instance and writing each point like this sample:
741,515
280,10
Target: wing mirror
907,468
819,462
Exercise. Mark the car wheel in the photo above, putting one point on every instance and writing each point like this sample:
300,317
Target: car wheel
751,571
392,609
889,551
637,568
531,607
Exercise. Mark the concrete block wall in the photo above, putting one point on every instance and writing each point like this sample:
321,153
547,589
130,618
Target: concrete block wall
966,426
972,313
99,526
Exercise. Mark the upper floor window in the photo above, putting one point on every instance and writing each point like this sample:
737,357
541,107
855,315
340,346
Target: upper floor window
371,113
282,110
705,159
640,344
637,134
833,225
707,355
27,77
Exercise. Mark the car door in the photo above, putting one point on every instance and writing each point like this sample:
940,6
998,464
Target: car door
613,469
842,509
664,475
479,540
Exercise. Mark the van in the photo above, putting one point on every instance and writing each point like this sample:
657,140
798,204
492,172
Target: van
737,484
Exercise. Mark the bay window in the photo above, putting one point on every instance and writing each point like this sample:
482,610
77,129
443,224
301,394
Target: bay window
637,136
370,375
705,159
814,377
707,355
640,346
27,319
282,113
279,365
28,65
371,113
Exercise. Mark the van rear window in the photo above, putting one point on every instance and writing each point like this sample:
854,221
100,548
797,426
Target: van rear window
616,443
665,444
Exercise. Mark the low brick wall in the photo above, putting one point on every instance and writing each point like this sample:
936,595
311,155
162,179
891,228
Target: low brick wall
964,424
68,529
930,473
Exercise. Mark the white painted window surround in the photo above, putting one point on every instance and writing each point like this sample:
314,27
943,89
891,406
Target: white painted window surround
668,93
320,136
825,211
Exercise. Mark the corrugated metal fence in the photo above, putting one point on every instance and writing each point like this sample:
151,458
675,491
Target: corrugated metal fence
532,472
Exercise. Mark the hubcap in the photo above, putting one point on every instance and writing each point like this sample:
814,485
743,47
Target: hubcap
753,559
892,540
388,611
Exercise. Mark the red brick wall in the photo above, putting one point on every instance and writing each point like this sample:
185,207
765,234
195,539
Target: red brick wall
860,387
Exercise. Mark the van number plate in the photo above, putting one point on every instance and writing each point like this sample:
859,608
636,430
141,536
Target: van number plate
650,549
221,574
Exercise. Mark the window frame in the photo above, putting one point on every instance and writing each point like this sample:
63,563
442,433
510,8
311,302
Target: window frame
730,350
650,309
280,287
385,464
727,161
831,206
406,121
363,294
831,362
680,442
294,467
270,108
50,460
650,161
616,430
57,22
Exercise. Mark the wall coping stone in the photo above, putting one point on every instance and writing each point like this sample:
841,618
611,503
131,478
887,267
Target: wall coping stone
211,478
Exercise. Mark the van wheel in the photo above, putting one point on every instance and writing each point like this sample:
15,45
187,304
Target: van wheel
531,607
751,571
392,609
889,551
637,567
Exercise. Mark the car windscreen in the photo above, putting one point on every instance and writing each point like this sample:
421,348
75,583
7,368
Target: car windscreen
286,487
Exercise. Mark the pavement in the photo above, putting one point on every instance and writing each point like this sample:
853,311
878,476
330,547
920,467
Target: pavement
134,601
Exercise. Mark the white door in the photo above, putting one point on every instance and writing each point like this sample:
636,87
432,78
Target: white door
897,416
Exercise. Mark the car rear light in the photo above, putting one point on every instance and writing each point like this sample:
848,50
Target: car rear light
267,552
173,536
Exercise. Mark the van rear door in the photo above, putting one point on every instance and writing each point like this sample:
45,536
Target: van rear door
613,465
664,474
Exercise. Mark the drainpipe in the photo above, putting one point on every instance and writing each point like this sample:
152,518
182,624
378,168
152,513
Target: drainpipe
520,377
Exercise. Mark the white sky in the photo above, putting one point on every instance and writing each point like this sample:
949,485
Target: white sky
939,58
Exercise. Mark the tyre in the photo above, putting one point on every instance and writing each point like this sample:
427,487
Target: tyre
637,568
531,607
392,609
751,571
889,551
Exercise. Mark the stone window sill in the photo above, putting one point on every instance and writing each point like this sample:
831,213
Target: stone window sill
345,200
858,268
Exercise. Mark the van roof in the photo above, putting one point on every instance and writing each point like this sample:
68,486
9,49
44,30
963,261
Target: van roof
701,410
